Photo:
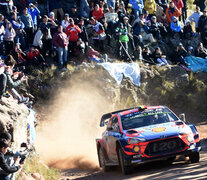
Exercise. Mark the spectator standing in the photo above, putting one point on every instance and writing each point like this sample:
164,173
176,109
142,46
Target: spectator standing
111,3
18,26
195,17
187,30
9,38
84,9
204,36
37,42
83,35
184,10
2,32
179,5
74,13
201,4
150,6
28,26
97,13
72,32
34,12
172,11
137,6
163,4
65,22
60,40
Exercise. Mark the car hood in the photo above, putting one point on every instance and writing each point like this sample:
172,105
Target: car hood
156,131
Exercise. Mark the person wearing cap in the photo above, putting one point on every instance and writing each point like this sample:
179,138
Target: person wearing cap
65,22
137,6
195,17
171,11
26,18
201,4
73,13
150,6
202,21
97,13
34,12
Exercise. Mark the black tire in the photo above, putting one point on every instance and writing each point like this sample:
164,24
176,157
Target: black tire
126,169
194,157
102,161
170,160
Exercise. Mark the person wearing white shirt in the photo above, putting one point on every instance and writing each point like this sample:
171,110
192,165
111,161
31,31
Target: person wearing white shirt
65,22
195,17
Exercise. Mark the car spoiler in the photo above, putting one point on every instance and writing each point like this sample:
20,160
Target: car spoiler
109,115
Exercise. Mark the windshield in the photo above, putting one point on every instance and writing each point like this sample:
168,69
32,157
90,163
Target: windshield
147,117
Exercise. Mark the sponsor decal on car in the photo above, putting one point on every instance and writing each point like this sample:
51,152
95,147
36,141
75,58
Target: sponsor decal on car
159,129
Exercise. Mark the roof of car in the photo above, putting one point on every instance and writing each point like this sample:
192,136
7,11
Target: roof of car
139,109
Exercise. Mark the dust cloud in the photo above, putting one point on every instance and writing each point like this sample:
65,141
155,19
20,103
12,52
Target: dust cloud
67,138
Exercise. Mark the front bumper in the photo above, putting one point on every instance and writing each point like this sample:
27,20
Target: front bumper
139,159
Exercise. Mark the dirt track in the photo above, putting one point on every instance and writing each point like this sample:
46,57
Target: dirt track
156,170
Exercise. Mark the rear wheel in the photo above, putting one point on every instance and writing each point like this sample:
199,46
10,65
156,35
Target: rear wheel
194,157
126,169
102,160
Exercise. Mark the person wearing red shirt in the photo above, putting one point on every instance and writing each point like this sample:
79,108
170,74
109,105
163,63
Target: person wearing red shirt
72,32
179,5
97,13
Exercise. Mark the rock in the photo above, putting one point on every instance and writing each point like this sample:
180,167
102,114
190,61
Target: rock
37,176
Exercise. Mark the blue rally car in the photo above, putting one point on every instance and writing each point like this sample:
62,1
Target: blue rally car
144,134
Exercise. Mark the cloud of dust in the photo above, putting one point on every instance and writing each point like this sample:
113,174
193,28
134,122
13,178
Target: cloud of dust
67,138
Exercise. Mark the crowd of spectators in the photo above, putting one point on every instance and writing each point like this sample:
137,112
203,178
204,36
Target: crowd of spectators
84,29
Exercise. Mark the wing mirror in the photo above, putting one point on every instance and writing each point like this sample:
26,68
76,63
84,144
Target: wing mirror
182,117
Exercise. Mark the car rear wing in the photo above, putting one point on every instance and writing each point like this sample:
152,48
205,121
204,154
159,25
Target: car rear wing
109,115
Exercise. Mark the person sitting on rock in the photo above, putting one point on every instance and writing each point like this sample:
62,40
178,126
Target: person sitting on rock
11,84
159,58
201,51
4,175
187,30
147,56
179,54
176,28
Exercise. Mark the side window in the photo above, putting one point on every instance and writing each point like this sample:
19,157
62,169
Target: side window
115,124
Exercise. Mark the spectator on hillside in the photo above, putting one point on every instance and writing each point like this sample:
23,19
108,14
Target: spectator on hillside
73,13
84,9
3,165
184,10
121,10
34,12
204,36
187,30
98,34
195,18
159,58
150,6
37,42
201,51
46,43
3,81
147,56
179,5
172,11
202,21
18,26
65,22
179,54
60,40
175,27
137,6
97,13
163,4
201,4
56,7
11,84
9,37
28,26
2,32
84,34
72,32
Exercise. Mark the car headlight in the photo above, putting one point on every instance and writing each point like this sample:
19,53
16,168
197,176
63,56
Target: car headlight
190,138
136,140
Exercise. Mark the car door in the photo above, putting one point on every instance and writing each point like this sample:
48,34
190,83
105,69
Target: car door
113,135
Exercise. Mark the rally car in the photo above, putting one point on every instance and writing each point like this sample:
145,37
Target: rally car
145,134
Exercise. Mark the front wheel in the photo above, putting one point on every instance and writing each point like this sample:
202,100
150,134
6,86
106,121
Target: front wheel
102,160
194,157
124,168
